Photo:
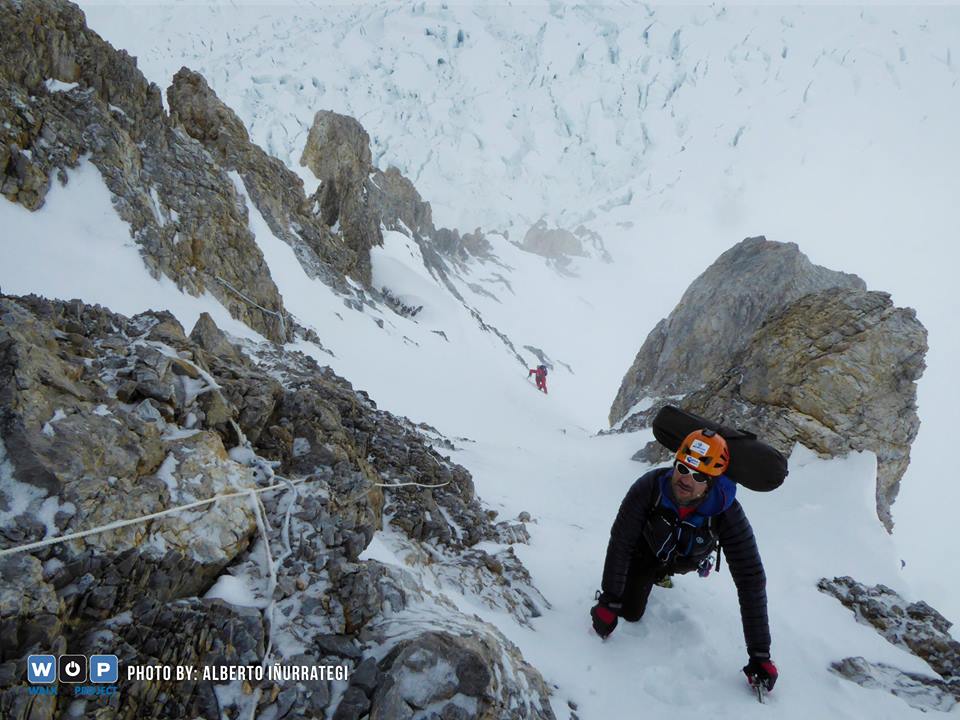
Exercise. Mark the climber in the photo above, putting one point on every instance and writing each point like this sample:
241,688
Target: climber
671,522
540,373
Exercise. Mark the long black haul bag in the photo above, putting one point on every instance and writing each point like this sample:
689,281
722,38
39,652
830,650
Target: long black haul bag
753,463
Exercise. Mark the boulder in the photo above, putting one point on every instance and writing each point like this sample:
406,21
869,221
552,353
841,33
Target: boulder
797,353
213,341
717,316
834,371
456,677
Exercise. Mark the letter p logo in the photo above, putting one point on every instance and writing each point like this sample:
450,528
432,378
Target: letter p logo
103,668
41,669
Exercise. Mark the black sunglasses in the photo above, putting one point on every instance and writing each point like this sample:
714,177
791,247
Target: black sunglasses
685,470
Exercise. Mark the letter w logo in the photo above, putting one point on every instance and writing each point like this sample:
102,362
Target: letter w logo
41,668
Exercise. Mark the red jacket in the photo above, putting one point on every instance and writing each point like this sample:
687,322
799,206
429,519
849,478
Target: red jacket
541,375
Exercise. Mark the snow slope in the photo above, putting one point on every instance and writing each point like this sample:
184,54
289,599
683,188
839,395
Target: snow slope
674,132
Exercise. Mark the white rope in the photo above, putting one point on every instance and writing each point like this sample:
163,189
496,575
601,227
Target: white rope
288,550
169,511
283,324
269,611
264,527
133,521
415,484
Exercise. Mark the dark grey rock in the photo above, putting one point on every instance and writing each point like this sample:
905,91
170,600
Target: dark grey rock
435,667
473,675
451,711
341,646
127,391
915,627
354,705
918,691
155,390
366,675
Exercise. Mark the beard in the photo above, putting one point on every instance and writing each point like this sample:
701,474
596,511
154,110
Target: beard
685,499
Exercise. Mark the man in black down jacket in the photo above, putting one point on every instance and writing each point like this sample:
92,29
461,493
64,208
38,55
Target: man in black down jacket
670,522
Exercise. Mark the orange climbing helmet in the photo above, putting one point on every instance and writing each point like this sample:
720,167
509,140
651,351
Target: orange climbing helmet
704,451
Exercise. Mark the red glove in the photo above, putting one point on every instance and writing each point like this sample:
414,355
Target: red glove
604,615
761,670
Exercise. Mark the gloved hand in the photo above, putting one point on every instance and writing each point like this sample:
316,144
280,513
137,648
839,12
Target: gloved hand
762,670
604,615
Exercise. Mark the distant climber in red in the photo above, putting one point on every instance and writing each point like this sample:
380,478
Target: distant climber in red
540,373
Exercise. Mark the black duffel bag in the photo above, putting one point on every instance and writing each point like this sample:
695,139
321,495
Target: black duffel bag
753,463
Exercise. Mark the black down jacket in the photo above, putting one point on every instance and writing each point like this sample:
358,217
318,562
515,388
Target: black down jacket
648,529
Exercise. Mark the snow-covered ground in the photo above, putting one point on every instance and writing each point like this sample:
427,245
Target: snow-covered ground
674,132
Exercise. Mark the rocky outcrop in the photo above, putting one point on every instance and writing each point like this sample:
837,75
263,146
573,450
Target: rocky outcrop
68,96
86,418
915,627
106,418
276,191
359,198
717,316
402,209
338,153
766,341
834,371
65,94
192,633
